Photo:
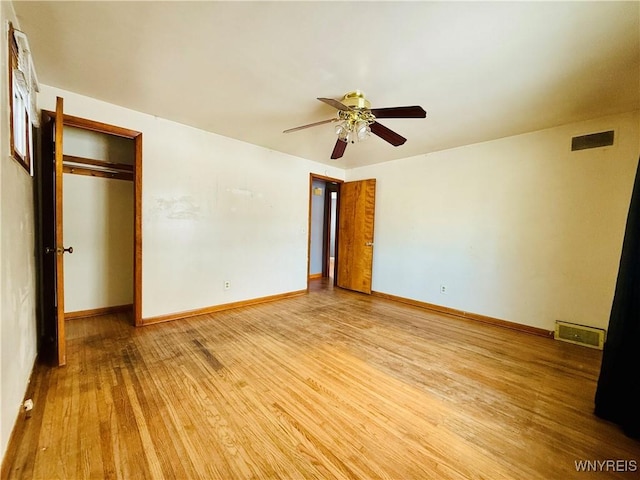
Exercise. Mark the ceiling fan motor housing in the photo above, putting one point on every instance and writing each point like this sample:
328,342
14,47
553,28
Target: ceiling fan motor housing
356,99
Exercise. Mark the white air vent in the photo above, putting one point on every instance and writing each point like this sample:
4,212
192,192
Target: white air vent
580,334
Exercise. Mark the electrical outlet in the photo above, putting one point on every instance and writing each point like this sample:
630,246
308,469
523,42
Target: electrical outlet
443,289
227,284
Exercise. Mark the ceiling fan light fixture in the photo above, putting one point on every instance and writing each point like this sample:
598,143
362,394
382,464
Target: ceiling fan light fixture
342,131
354,125
363,130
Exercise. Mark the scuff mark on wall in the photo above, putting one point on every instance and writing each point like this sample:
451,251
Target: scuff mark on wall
179,208
241,191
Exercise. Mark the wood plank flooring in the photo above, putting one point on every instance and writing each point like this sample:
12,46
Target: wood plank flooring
333,384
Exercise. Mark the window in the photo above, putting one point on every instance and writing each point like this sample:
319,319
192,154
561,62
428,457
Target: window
22,90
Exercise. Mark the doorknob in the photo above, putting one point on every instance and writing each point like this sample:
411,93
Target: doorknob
368,244
58,250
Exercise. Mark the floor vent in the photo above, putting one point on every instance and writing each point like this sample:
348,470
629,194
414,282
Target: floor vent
580,334
593,140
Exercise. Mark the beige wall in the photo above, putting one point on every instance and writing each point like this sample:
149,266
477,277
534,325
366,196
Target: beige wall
520,228
17,263
98,224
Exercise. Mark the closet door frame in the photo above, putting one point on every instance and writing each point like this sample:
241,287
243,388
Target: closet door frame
99,127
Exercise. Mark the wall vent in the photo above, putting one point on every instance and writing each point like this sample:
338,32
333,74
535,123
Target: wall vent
580,334
593,140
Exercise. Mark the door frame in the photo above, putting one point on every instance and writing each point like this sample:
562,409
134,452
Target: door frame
338,182
99,127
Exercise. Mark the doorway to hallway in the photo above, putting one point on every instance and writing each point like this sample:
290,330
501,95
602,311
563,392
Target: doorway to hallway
324,193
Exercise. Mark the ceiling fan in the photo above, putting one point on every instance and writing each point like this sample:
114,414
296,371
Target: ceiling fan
357,121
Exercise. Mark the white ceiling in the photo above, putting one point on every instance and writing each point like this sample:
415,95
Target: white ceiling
249,70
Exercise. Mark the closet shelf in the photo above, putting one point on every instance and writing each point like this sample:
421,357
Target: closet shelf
96,168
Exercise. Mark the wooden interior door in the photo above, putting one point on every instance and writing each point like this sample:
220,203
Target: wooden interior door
59,248
355,235
53,341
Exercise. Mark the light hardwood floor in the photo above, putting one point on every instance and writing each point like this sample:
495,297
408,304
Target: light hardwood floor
328,385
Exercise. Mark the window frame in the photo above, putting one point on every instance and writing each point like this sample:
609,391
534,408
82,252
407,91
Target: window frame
23,158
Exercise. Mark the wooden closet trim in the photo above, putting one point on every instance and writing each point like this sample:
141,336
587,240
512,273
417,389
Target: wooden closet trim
99,127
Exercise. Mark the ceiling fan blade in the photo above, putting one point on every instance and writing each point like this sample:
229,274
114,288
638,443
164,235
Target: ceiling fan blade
388,135
399,112
339,149
334,103
302,127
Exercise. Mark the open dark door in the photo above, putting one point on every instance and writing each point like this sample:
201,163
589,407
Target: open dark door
53,343
355,235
